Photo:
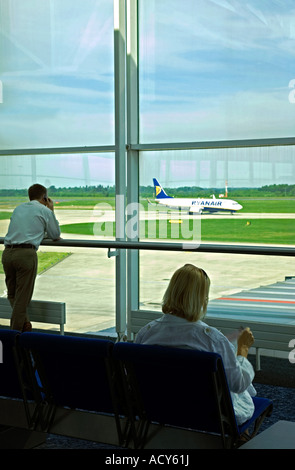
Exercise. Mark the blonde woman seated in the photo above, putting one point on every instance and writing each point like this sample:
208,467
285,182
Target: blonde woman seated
184,305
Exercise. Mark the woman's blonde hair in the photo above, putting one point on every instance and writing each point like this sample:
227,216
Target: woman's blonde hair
187,293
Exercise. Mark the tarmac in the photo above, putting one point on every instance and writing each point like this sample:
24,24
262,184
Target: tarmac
85,280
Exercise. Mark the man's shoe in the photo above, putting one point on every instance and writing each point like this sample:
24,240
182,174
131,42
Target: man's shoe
27,328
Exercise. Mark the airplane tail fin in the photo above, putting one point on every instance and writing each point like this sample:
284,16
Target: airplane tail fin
160,193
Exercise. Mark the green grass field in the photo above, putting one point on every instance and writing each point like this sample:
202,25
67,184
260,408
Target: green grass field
263,204
268,205
269,231
46,260
5,215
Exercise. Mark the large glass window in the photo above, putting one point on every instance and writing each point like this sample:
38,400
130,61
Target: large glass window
262,181
211,75
83,190
215,70
258,182
84,279
229,274
56,73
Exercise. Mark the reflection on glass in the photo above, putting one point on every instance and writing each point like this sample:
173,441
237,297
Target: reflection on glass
216,70
60,171
56,73
248,167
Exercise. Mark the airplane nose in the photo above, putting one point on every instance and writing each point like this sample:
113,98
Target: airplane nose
240,207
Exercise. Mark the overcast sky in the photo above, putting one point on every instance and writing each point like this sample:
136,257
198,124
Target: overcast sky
209,70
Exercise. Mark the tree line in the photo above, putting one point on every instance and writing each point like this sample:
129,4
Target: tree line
273,190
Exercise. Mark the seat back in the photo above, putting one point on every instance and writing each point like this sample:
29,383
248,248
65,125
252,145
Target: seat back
72,370
179,387
9,381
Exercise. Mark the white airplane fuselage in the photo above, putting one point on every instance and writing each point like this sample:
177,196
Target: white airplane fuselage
200,205
197,205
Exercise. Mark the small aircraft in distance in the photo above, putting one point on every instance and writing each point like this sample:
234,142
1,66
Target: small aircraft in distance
195,206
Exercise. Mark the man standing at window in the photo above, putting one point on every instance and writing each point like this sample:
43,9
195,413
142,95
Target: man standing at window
29,224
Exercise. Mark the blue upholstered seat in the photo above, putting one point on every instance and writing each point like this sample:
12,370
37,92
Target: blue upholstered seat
179,388
72,369
183,388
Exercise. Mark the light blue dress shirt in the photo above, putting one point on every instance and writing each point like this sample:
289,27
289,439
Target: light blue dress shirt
30,223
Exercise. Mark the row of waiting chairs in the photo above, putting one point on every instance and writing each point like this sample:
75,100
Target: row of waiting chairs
154,396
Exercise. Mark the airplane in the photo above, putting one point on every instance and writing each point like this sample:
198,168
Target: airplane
195,206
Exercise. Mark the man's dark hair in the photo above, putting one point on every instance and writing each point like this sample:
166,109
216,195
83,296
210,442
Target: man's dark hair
36,191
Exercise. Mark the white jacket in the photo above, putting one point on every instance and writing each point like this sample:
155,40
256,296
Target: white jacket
170,330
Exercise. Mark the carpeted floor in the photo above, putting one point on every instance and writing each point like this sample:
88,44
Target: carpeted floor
284,409
275,371
61,442
275,380
283,403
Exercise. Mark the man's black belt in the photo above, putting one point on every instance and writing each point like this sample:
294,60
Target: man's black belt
21,245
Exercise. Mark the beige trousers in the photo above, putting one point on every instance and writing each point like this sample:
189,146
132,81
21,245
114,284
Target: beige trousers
20,267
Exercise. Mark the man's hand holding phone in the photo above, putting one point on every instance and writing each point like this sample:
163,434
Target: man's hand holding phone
49,203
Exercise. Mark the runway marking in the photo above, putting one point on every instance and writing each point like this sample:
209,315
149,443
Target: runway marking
258,300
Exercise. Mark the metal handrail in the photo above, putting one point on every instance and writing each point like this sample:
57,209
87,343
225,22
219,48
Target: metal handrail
167,246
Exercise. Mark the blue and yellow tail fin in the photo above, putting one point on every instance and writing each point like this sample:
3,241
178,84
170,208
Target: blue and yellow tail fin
159,191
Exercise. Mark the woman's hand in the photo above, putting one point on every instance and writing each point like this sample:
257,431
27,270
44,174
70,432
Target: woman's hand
245,341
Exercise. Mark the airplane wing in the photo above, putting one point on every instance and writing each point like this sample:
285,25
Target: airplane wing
151,203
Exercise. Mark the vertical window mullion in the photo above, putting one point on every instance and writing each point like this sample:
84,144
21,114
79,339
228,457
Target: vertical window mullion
120,157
